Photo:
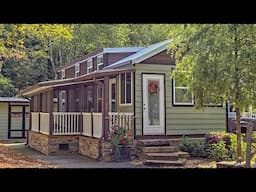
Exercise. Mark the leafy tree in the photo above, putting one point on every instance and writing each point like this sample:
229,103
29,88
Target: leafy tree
222,62
6,88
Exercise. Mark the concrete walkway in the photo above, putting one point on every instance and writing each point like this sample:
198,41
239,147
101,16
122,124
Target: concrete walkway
73,161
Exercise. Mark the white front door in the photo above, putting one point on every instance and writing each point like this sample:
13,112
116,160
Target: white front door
153,105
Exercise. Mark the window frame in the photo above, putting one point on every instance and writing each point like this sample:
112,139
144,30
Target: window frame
63,74
77,72
89,67
99,64
174,95
125,95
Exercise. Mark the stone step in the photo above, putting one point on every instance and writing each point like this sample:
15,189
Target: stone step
182,154
160,149
162,156
179,162
153,142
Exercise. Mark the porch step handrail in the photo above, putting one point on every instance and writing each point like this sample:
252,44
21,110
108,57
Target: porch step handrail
66,123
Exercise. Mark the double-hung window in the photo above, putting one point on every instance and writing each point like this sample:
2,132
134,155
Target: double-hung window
63,74
181,93
100,62
77,70
89,66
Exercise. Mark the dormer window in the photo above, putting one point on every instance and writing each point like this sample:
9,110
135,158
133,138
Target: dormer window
89,66
77,70
63,74
99,62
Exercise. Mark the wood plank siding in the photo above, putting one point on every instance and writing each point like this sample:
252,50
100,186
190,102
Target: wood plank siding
161,58
179,120
70,72
114,57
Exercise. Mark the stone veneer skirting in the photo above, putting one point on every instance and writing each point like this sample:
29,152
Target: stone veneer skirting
49,145
88,146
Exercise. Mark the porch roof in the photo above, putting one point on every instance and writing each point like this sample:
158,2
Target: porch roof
141,55
86,78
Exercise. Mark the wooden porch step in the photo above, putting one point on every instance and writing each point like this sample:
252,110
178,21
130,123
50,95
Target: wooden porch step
179,162
182,154
160,149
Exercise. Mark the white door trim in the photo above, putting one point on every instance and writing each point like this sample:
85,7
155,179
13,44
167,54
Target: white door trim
147,128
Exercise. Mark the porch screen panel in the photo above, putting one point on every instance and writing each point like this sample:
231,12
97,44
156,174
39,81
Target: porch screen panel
128,88
122,88
89,98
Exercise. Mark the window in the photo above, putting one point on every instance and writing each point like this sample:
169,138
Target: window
63,74
181,94
89,66
100,62
77,70
125,92
99,98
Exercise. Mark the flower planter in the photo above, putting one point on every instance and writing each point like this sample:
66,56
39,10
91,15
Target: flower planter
122,153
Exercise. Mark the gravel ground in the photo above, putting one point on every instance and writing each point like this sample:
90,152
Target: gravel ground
18,155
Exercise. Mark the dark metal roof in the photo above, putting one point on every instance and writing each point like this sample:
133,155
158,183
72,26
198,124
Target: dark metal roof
13,99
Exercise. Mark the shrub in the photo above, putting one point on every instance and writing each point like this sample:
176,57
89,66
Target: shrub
218,151
195,148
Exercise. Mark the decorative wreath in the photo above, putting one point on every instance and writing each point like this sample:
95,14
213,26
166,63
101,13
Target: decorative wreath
154,88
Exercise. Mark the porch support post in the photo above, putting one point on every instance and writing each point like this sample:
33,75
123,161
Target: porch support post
51,112
105,106
81,106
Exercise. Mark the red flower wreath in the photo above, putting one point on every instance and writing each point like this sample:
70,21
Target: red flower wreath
153,88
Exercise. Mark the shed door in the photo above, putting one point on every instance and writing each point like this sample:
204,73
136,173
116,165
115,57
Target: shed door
18,121
153,105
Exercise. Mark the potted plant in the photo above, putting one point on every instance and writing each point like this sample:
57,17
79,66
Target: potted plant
120,138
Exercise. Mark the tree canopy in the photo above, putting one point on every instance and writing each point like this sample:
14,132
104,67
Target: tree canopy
30,53
221,60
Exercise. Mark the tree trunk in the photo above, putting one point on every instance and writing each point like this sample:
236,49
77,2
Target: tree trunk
51,59
248,144
238,133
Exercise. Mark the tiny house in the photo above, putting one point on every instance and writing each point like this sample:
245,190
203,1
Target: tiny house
14,117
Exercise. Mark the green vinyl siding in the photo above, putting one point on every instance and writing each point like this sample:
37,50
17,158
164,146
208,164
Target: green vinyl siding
179,120
3,120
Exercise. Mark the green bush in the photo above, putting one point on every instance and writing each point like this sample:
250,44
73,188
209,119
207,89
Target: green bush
219,152
195,148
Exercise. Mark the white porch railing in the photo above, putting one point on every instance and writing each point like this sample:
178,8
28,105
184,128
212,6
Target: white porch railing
35,121
92,124
97,125
87,122
122,119
44,123
66,123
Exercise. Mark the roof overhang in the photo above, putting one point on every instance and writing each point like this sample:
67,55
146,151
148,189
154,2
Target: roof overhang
87,78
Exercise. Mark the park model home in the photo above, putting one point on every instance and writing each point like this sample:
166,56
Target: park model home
131,86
